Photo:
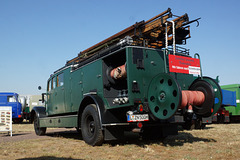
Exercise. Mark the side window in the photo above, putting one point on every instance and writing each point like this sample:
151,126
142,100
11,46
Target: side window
49,85
60,81
11,99
54,83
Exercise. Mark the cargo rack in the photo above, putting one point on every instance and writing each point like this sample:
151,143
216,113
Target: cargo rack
158,32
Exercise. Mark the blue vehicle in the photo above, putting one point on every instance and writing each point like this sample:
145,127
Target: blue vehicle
11,99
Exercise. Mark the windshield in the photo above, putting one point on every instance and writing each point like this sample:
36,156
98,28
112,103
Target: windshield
11,99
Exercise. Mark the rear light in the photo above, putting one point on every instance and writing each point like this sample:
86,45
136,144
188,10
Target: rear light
139,124
140,108
19,116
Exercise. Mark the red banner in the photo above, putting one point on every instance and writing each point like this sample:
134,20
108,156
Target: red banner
180,64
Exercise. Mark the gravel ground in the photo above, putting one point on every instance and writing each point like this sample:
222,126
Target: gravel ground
20,136
216,141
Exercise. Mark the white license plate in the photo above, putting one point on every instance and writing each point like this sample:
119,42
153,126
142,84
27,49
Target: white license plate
137,117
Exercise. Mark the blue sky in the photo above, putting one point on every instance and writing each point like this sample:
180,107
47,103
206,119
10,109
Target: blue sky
38,37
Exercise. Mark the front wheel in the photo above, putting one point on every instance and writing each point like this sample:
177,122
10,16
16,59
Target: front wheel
90,126
38,130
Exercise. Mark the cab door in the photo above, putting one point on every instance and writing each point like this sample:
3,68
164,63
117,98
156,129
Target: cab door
59,99
76,89
12,101
50,97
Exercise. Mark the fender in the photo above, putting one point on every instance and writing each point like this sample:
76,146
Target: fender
91,99
105,116
39,110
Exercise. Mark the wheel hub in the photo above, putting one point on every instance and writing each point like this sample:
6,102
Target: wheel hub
162,96
91,127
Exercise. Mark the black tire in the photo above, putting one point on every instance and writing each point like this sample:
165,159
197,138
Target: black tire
199,124
90,126
17,120
189,125
38,130
78,129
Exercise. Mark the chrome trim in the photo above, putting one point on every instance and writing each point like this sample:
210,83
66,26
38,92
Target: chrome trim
90,93
115,124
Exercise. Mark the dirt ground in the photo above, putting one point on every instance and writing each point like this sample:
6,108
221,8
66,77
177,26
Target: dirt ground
216,141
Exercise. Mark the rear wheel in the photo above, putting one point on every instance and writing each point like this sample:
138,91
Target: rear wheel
38,130
189,125
199,124
90,126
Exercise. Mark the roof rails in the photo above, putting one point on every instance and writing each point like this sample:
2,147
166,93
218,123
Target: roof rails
151,33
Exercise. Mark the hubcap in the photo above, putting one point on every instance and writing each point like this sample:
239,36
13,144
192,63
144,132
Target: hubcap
90,125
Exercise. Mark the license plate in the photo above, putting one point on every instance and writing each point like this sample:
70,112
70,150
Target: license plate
137,117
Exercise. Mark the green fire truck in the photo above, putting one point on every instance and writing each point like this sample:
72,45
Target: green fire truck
136,80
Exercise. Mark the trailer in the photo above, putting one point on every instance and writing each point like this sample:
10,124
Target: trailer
137,80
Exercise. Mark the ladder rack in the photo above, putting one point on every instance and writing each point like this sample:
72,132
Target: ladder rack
151,33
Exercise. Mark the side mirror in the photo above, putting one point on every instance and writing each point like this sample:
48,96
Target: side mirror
43,100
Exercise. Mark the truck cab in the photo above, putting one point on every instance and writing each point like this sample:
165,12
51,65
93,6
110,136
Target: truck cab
11,99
